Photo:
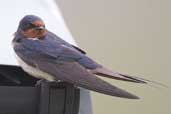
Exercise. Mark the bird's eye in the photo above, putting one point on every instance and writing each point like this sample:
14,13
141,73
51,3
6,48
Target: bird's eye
29,26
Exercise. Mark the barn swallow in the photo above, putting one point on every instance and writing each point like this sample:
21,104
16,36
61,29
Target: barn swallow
44,55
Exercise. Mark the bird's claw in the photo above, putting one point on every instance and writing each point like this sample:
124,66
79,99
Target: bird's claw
39,82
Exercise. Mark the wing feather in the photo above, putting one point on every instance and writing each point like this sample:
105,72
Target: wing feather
74,73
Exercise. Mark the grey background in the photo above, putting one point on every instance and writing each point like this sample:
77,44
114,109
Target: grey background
130,36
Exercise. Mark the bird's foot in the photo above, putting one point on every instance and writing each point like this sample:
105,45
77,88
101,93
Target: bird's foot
39,82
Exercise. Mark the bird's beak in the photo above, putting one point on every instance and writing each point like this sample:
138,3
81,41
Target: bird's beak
40,28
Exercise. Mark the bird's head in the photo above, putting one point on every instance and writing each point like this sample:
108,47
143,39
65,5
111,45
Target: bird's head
32,27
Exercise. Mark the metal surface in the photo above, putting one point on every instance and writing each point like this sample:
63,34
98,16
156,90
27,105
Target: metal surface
20,95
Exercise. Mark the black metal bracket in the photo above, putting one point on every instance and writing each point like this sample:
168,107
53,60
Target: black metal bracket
62,98
20,95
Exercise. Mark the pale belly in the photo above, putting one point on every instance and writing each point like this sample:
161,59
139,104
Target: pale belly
34,71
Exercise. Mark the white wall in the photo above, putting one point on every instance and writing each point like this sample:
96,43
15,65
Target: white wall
13,10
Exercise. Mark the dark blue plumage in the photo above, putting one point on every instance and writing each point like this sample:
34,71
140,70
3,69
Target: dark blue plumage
56,48
24,25
53,58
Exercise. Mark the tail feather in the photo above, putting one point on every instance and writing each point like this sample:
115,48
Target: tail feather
147,80
114,75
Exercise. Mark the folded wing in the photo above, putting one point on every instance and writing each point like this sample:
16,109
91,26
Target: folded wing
73,72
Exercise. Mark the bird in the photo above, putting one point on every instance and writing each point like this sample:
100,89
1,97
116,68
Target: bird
46,56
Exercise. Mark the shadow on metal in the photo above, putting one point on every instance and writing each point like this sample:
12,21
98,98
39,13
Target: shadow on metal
19,94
